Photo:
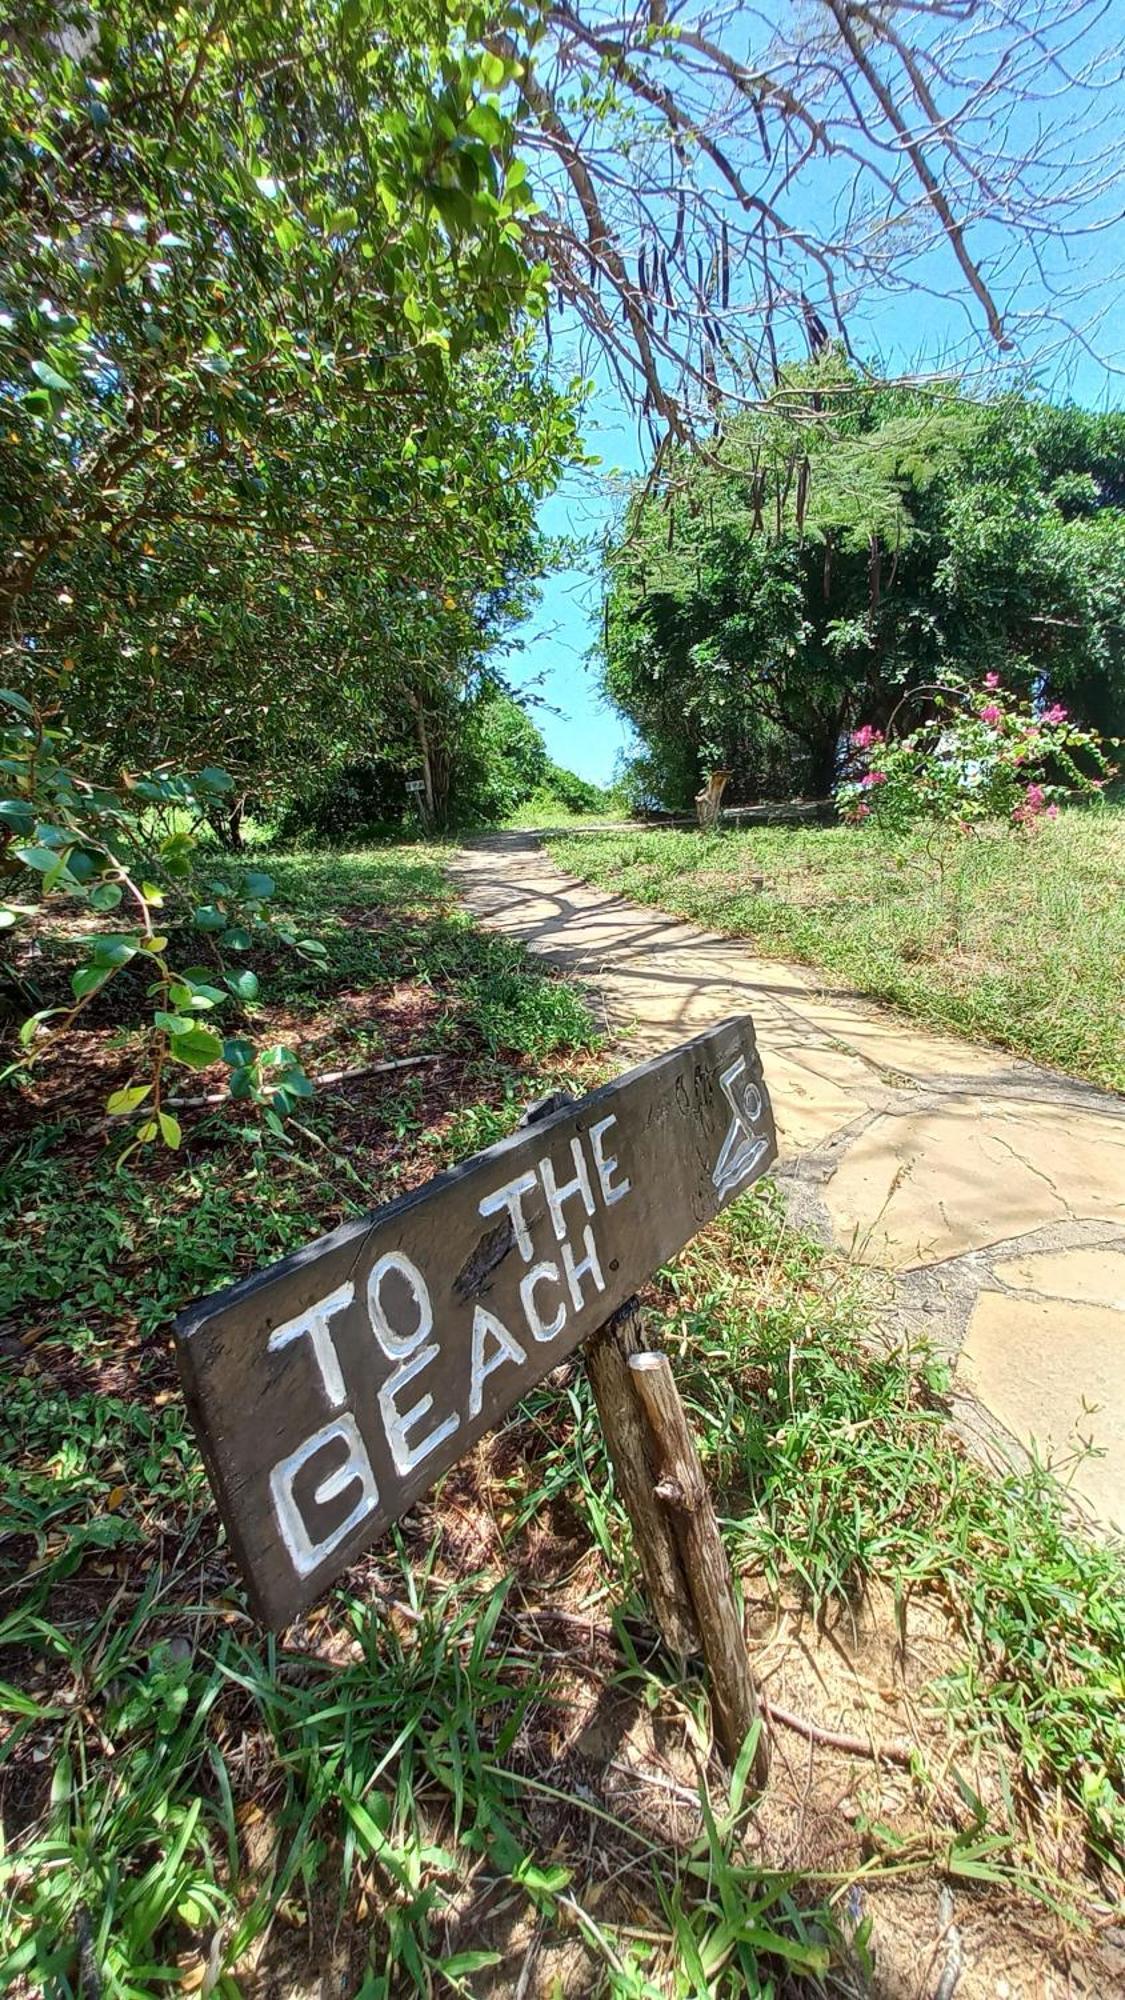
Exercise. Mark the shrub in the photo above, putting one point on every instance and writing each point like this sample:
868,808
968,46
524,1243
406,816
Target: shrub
125,857
350,801
985,753
573,792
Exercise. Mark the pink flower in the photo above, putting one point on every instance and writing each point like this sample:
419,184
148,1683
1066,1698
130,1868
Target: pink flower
992,680
873,778
861,812
1034,802
991,714
864,738
1054,714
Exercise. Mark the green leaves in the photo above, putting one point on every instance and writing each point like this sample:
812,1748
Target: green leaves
120,1102
50,377
316,471
198,1048
170,1130
115,951
87,980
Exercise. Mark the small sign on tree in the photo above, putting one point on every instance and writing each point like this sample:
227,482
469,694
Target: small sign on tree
330,1391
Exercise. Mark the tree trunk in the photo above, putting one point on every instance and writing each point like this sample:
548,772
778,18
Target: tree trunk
824,757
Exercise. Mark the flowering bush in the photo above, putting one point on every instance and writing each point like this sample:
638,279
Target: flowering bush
985,754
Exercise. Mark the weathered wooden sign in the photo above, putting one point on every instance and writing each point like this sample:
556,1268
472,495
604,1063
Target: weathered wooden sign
330,1391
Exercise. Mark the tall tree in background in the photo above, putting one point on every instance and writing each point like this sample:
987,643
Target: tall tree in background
758,608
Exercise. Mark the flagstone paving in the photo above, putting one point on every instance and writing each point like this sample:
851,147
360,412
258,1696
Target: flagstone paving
993,1190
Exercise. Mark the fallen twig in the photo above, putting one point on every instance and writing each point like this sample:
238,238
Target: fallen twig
330,1077
832,1739
838,1739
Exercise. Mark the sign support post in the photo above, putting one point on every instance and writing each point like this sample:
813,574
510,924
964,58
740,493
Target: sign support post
609,1353
682,1487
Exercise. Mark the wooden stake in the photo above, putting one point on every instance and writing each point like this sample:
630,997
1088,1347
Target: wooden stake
683,1488
627,1438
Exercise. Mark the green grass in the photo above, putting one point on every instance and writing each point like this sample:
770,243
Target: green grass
1005,937
546,811
184,1796
151,1727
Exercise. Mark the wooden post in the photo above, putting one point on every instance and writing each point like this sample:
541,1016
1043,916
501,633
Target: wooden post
708,801
683,1488
608,1353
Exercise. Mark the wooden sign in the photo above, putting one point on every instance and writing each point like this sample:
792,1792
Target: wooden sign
330,1391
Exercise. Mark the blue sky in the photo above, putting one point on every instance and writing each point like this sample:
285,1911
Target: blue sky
550,658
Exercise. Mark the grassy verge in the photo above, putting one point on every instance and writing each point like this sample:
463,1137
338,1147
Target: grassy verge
470,1760
1008,938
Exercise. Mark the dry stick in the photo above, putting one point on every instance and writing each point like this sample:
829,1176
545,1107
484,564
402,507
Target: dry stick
683,1488
224,1097
607,1354
837,1739
813,1732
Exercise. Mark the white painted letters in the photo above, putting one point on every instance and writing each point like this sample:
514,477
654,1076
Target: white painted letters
505,1347
607,1167
314,1322
306,1551
557,1195
511,1198
396,1345
397,1423
575,1271
538,1275
402,1319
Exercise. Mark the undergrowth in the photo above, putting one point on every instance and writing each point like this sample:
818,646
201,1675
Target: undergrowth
840,1466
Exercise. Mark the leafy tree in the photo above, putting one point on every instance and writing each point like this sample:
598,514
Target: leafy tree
852,545
255,408
501,759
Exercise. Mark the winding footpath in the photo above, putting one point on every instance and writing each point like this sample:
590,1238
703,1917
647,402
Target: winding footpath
992,1190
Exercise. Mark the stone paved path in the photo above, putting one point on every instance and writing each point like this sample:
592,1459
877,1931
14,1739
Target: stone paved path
994,1190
